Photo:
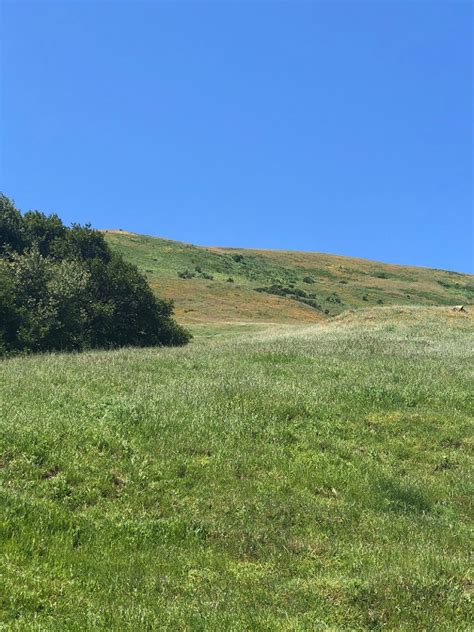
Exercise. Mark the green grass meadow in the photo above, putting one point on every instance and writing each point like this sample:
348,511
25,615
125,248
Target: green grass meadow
265,477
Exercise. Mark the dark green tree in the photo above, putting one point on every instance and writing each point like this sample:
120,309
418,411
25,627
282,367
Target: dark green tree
11,227
10,318
63,288
46,232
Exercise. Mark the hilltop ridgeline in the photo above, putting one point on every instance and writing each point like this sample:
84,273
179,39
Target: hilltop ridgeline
236,284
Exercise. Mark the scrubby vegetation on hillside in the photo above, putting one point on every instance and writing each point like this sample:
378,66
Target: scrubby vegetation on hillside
63,288
287,478
291,286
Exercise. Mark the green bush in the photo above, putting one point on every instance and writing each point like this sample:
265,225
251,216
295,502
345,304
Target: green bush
291,292
186,274
63,289
334,298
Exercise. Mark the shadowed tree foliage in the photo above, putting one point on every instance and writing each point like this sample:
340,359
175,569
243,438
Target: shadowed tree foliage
63,289
11,227
46,232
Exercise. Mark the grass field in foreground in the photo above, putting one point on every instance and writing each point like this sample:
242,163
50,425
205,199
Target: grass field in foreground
280,478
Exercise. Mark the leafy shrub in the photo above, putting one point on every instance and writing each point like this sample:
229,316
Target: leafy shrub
186,274
291,292
308,279
230,280
63,289
300,293
312,303
457,286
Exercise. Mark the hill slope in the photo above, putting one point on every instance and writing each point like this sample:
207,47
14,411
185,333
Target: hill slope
280,286
321,483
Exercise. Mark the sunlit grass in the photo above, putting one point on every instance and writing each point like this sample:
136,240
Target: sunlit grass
277,478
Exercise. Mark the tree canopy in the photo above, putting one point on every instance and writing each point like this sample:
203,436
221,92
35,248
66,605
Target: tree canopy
62,288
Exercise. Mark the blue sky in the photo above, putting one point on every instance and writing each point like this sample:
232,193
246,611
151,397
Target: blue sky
342,127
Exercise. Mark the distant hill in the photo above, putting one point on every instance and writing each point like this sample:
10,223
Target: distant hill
235,284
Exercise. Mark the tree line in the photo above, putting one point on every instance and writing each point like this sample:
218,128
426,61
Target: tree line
62,288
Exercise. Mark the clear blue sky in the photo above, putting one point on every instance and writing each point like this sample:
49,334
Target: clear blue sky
327,126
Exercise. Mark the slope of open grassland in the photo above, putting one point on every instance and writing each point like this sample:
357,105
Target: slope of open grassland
226,284
280,477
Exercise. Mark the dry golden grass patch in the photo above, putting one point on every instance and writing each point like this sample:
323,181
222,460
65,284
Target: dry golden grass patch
200,301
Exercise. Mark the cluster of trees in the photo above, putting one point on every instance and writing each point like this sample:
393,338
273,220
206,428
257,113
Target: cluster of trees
63,288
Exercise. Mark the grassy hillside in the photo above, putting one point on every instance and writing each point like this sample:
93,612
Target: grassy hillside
280,286
275,477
